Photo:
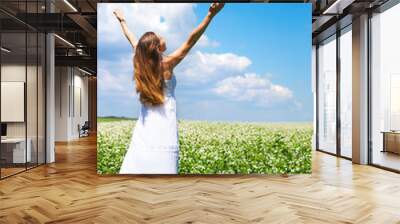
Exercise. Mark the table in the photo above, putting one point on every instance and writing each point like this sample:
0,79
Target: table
391,141
17,150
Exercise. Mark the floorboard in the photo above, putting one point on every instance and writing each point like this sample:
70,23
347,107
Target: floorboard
70,191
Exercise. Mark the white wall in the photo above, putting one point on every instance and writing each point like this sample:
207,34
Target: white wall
33,126
81,89
62,81
12,100
17,73
70,83
14,73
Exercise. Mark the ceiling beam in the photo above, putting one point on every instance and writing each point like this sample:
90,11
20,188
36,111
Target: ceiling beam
337,7
80,61
86,27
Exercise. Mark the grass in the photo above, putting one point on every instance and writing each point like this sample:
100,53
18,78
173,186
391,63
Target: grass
219,147
114,119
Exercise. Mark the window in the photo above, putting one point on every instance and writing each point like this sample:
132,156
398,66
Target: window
327,95
22,88
346,92
385,88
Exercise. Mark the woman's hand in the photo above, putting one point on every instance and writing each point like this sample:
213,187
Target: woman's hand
128,34
119,14
176,57
215,8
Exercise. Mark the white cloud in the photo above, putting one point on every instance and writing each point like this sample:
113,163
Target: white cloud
253,88
109,82
174,22
116,77
204,41
204,67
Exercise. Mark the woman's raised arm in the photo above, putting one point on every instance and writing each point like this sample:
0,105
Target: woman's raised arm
128,34
177,56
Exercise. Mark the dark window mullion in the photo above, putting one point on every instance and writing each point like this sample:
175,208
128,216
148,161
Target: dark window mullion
369,90
338,80
37,90
26,86
45,88
317,97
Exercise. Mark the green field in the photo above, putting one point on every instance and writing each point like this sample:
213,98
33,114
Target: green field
114,119
219,147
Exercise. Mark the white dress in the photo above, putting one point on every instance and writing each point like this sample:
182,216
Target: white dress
154,147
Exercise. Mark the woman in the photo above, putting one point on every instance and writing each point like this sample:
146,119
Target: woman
154,146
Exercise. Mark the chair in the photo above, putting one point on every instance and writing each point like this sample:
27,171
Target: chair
84,130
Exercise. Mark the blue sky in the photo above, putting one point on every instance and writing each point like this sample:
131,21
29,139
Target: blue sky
252,64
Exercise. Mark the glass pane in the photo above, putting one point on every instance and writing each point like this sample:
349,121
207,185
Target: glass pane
41,99
13,87
327,95
22,88
386,89
32,88
31,98
346,93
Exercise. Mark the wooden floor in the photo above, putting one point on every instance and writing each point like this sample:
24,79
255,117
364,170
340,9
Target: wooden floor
387,159
5,172
70,191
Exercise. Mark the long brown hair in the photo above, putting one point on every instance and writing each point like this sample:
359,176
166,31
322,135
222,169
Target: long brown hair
148,70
